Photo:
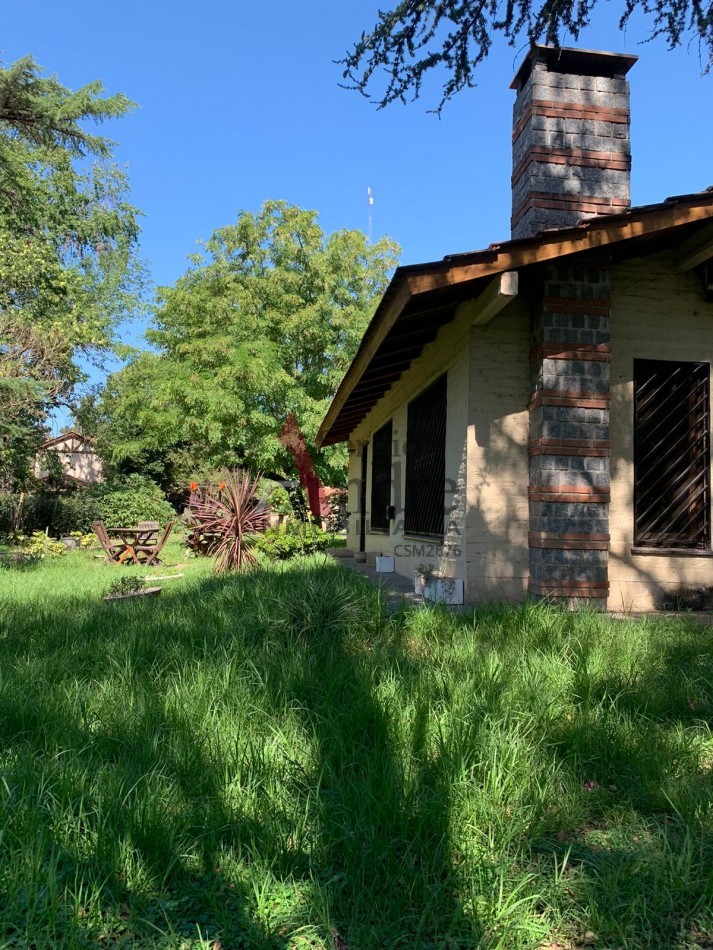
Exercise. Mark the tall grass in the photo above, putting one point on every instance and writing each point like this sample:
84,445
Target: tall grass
275,760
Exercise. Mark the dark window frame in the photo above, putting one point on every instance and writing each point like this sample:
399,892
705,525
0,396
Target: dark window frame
672,490
425,494
381,477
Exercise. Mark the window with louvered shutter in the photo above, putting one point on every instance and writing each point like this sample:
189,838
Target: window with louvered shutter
671,454
381,478
426,461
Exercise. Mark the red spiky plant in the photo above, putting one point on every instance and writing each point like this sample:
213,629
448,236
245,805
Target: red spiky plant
226,519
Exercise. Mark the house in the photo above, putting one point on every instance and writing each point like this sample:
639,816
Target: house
534,418
74,454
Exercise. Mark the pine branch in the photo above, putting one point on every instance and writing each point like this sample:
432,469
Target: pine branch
418,37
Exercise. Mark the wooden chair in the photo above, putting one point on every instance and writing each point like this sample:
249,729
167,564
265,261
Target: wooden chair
151,551
112,549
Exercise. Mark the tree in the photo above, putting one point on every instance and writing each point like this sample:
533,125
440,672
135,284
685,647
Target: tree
418,36
69,273
264,322
41,112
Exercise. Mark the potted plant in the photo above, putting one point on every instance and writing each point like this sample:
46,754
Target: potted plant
127,586
423,574
433,586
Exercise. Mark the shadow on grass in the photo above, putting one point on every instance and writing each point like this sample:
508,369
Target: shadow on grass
19,563
626,726
117,825
383,847
274,758
220,764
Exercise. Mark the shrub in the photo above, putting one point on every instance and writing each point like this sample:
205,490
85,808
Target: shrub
8,514
125,502
27,513
83,540
293,539
338,519
38,546
225,523
279,500
76,512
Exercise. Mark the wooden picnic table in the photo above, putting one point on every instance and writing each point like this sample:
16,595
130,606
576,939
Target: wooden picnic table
132,538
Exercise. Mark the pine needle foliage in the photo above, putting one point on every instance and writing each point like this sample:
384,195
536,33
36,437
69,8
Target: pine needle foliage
69,271
42,112
419,36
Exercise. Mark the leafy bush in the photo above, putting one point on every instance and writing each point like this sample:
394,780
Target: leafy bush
9,513
39,546
76,512
125,502
293,539
88,540
279,501
27,513
338,519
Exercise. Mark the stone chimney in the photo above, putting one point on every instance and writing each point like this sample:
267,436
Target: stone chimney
571,150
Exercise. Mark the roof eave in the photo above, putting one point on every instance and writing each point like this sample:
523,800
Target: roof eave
422,279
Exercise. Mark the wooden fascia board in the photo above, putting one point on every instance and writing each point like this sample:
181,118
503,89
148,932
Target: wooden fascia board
65,437
496,261
591,238
694,251
370,346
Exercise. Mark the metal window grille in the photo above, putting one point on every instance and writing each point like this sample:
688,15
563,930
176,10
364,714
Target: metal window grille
672,454
381,477
426,461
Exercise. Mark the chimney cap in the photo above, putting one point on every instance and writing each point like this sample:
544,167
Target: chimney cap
577,62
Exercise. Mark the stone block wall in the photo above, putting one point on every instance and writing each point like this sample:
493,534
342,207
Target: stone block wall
569,443
571,148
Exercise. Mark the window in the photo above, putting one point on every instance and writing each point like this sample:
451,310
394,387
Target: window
671,454
381,478
426,461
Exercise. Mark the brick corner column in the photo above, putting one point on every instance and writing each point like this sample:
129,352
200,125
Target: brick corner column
569,435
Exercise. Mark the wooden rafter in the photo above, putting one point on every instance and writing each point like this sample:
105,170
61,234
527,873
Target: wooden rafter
696,250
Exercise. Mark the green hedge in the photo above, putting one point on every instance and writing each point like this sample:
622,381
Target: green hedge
292,540
27,513
126,502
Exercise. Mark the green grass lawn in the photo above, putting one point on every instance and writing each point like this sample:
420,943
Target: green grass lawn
274,760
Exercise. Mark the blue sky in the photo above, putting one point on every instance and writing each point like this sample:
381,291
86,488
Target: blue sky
239,102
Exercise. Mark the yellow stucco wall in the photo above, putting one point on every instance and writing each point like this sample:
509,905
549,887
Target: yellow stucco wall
449,353
497,456
486,457
657,313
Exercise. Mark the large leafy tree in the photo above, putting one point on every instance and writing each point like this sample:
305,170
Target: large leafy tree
69,273
415,37
264,322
